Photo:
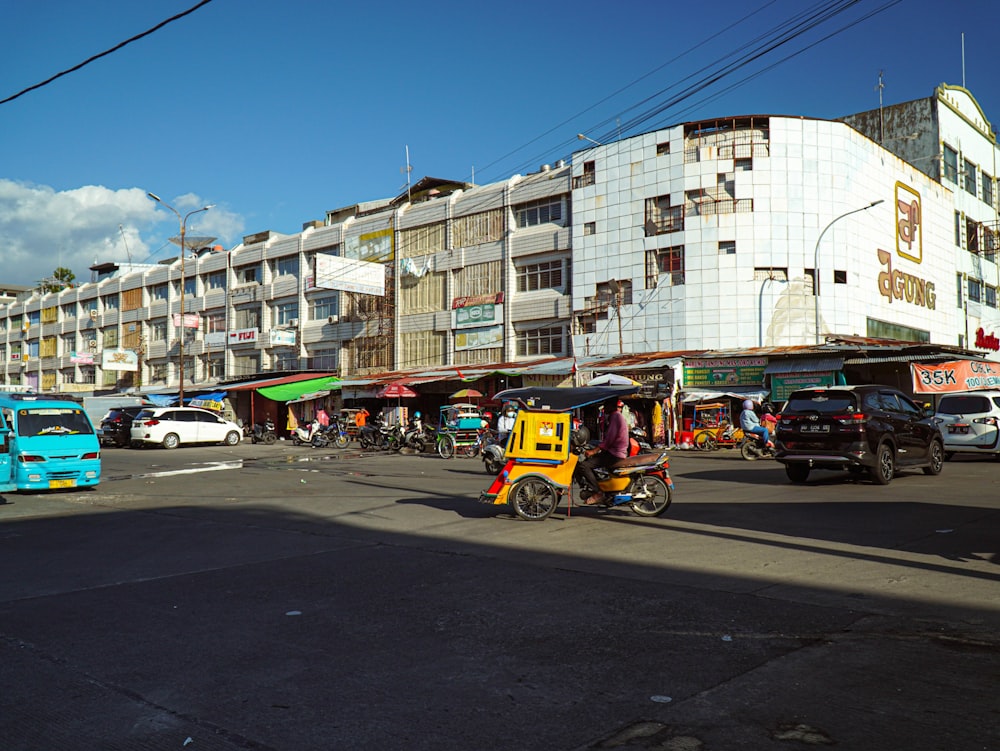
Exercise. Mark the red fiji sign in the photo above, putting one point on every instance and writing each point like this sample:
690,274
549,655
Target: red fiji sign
987,341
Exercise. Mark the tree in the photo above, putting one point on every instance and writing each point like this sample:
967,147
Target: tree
61,279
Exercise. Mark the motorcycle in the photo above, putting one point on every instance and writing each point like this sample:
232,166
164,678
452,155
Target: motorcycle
264,432
417,437
374,435
642,482
309,435
493,454
335,433
753,448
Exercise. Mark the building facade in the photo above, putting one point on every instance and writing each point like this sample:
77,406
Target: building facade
726,234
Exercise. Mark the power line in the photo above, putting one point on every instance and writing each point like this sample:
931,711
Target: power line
117,47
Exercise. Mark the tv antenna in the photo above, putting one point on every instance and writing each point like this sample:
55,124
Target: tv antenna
127,251
407,170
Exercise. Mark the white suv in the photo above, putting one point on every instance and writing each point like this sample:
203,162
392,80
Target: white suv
172,426
970,422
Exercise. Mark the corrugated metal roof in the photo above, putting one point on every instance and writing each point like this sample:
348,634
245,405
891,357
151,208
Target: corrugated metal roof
805,365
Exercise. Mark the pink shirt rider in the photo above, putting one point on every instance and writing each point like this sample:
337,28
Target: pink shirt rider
616,436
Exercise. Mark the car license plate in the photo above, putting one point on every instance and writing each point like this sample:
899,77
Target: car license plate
815,428
62,483
958,428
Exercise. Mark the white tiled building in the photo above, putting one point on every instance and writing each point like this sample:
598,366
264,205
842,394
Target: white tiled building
719,234
715,235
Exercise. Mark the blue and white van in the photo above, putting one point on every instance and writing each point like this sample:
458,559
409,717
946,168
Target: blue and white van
46,444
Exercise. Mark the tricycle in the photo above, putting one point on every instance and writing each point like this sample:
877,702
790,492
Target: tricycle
543,450
461,426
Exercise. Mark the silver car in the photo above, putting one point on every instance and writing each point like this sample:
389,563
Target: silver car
970,422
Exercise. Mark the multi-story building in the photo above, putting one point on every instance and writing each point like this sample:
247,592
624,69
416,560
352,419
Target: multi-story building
764,230
739,232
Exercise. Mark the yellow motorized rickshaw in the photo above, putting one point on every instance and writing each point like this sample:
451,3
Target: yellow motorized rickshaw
543,448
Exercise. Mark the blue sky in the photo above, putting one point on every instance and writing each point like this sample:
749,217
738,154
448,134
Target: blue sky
279,111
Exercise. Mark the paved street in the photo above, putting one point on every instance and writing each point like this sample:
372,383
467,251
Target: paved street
281,598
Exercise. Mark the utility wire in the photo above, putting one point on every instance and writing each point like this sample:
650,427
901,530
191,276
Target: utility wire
117,47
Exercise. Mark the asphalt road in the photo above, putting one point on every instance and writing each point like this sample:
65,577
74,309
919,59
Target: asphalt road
281,598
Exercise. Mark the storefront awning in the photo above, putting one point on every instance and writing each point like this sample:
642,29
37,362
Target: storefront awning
805,365
756,393
287,392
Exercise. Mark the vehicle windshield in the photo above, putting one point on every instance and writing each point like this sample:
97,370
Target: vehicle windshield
39,421
821,402
964,405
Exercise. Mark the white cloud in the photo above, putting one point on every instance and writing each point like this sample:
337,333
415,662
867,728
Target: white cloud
41,228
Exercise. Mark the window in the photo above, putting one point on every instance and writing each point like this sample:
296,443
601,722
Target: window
589,176
287,265
286,359
543,341
215,367
158,372
322,359
950,161
611,293
110,338
110,302
247,318
971,235
132,299
216,280
422,349
476,229
958,228
727,247
770,273
668,262
663,149
544,275
421,241
990,296
286,312
839,277
590,228
158,292
214,322
975,290
158,330
321,308
248,274
987,182
190,286
244,365
969,175
48,347
958,280
661,218
425,294
538,212
34,316
477,279
743,165
87,374
50,314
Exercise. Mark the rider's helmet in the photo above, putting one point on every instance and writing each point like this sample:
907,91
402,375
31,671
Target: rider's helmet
416,415
747,404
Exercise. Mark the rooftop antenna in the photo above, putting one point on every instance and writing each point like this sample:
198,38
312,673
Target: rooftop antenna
127,251
408,169
881,119
963,59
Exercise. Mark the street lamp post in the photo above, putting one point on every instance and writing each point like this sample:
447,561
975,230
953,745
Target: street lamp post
180,347
816,254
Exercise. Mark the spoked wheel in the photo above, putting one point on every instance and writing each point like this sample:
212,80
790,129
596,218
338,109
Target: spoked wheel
651,496
342,440
748,451
885,465
706,442
446,446
936,458
533,499
470,449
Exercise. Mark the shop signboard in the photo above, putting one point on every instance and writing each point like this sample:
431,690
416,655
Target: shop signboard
483,338
782,385
723,372
959,375
119,359
476,315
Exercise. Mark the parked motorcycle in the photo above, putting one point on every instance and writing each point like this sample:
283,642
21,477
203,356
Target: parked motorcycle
264,432
336,434
310,435
753,448
374,435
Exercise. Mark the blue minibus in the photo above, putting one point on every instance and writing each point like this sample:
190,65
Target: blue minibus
46,444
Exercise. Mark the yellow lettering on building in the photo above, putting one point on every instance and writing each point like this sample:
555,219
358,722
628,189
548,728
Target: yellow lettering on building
894,284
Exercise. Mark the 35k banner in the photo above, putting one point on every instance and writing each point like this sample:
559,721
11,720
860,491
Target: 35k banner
959,375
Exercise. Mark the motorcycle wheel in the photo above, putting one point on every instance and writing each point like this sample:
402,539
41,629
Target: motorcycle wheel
658,496
269,438
296,441
533,499
471,449
446,447
342,441
363,441
748,451
494,466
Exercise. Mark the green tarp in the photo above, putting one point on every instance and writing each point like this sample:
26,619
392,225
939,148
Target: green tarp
286,392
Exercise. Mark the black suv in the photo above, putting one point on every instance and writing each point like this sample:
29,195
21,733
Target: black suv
116,425
857,428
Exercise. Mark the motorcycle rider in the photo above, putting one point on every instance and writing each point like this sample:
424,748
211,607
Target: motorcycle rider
505,423
612,448
751,424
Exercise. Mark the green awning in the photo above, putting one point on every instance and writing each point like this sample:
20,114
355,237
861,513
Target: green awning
286,392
